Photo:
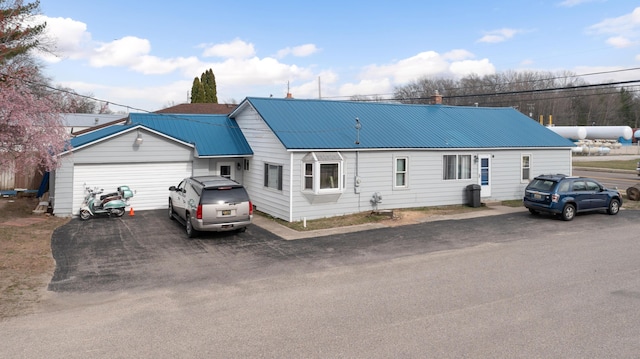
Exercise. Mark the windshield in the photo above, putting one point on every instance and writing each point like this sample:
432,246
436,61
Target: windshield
226,195
544,185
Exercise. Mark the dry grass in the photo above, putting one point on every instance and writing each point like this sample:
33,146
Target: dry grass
26,263
371,217
617,165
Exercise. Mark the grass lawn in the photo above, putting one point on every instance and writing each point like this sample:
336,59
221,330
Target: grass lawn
616,165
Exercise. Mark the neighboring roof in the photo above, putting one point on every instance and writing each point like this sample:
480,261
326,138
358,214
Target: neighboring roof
200,108
88,119
212,135
323,124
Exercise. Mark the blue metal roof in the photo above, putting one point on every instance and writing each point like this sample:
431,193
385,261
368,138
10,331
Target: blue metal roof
212,135
323,124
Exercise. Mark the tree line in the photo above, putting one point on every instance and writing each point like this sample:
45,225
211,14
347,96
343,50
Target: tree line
567,97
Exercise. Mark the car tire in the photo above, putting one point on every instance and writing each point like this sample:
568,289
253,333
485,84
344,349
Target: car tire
614,207
533,211
191,233
170,210
568,212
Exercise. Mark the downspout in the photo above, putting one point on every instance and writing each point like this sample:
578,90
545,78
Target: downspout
291,187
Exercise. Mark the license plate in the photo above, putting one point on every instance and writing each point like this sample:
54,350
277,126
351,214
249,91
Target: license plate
226,212
537,196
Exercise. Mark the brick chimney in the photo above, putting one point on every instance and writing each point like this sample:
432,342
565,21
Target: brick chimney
436,99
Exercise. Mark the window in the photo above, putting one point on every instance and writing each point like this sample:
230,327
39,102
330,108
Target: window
526,167
273,176
308,176
456,167
400,172
329,175
322,172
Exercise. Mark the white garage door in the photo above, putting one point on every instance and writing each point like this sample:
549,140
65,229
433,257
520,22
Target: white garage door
149,181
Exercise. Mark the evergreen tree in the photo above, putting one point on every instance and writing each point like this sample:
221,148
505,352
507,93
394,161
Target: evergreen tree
197,91
17,34
204,89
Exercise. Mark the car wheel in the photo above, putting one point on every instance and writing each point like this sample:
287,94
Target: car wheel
241,230
84,214
118,212
170,210
533,211
190,231
614,207
568,212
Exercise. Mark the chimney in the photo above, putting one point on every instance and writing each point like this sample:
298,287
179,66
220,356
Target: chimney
436,99
289,95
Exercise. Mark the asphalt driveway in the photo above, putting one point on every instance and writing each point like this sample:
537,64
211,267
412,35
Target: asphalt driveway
150,251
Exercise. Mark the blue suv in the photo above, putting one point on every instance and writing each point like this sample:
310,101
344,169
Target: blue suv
567,195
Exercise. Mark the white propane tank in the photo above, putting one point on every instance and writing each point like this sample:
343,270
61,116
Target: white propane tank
570,132
608,132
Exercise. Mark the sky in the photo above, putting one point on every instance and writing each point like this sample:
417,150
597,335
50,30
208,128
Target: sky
144,55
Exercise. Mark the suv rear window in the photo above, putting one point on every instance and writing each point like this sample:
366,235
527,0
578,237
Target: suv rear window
224,195
542,185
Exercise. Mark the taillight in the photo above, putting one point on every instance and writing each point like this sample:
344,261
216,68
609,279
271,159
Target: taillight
199,212
555,197
250,208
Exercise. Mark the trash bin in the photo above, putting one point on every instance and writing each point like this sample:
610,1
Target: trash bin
473,195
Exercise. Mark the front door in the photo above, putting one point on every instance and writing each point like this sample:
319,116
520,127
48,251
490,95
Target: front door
484,175
226,169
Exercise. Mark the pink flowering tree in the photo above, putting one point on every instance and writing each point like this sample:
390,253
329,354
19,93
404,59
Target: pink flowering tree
31,129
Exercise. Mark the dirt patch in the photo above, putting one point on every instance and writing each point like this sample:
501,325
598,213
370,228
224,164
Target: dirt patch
26,263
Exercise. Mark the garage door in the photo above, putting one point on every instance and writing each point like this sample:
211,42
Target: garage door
148,181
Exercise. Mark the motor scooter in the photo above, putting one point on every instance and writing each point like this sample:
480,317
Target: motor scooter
110,204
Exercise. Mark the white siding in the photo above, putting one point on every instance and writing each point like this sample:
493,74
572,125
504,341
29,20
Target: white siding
61,187
121,149
267,149
426,186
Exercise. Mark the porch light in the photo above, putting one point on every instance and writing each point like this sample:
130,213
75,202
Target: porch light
138,140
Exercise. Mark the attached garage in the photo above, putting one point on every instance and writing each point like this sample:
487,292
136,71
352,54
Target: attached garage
148,181
148,153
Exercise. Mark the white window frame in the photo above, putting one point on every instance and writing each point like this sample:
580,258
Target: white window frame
522,168
405,172
279,177
458,167
316,160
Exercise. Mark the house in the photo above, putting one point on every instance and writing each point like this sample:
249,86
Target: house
149,153
316,158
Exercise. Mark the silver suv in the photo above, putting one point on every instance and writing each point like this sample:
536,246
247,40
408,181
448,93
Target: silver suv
210,203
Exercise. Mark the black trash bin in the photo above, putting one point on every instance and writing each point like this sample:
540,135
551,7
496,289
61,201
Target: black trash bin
473,195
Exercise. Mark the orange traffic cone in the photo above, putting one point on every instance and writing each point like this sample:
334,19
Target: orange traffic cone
131,211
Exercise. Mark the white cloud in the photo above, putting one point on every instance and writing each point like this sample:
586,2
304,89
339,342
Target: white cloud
298,51
367,87
500,35
620,42
624,30
122,52
468,67
236,49
572,3
68,38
